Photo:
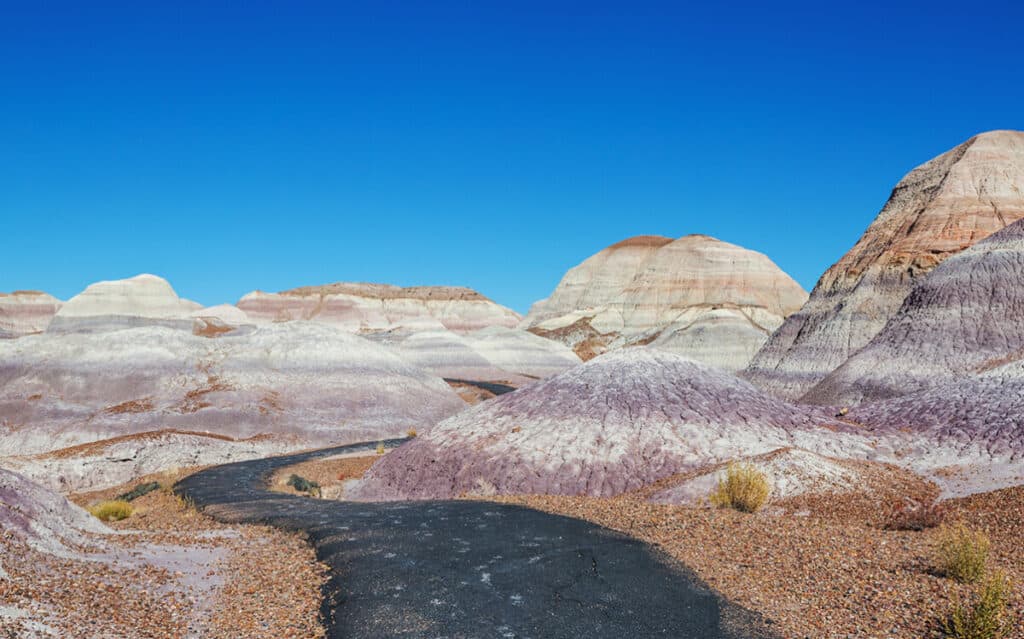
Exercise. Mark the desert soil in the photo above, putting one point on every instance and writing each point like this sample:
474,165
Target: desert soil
199,579
822,567
330,473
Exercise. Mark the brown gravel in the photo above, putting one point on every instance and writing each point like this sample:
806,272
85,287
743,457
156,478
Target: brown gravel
830,572
330,473
261,583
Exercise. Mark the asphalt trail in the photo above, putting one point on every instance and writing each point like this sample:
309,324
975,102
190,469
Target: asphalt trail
465,569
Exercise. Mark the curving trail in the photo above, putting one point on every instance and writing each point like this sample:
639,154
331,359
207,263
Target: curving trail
473,569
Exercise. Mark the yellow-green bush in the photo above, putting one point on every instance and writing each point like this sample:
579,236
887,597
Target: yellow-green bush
114,510
743,487
985,616
961,553
380,448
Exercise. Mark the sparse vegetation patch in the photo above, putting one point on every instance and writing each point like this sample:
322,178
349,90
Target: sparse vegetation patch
985,616
113,510
743,488
961,553
304,485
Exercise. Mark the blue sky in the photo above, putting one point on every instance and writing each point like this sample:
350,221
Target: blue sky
235,146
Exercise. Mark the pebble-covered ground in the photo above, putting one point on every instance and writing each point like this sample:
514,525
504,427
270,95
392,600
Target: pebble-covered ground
331,473
818,568
172,574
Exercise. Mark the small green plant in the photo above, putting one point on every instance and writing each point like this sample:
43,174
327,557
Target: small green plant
985,616
304,485
743,487
961,553
114,510
138,491
380,448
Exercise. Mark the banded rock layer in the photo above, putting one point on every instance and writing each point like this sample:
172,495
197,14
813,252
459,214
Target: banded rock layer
303,384
967,434
618,422
379,307
26,312
143,300
936,210
965,317
709,300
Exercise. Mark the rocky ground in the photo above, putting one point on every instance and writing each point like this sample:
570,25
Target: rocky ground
821,567
170,573
331,473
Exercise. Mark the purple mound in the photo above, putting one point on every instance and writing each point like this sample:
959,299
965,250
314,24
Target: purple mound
965,317
616,423
968,434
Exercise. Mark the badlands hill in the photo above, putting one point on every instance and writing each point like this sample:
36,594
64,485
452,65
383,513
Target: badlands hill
380,307
130,378
294,385
143,300
26,312
709,300
450,331
937,210
963,318
618,422
966,434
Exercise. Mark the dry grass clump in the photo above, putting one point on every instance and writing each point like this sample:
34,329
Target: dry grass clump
985,616
961,553
113,510
915,516
411,432
743,488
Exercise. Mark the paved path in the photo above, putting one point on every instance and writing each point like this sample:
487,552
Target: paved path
473,569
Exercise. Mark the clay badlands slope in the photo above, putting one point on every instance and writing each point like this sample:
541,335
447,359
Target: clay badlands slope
953,353
618,422
450,331
712,301
937,210
123,359
129,378
26,312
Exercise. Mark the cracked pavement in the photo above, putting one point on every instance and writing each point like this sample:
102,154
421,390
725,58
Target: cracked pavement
466,569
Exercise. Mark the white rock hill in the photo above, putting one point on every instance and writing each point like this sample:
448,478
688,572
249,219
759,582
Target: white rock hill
697,296
143,300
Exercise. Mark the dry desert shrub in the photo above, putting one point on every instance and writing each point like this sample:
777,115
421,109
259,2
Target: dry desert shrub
380,448
304,485
961,553
915,516
744,488
114,510
411,432
985,616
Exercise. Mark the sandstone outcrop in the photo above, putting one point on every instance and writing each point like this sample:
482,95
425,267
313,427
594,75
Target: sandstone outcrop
359,307
709,300
937,210
618,422
965,317
143,300
26,312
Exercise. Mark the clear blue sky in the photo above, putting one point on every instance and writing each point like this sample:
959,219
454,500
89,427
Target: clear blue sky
235,146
